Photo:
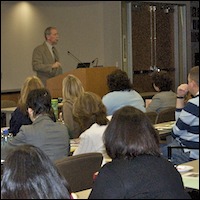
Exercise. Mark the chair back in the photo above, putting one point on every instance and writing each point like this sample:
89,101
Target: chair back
79,169
152,116
166,115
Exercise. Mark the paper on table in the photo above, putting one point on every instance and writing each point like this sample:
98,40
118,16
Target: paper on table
191,180
184,168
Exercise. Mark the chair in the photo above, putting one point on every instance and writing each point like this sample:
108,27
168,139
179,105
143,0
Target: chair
152,116
79,169
166,115
6,104
169,150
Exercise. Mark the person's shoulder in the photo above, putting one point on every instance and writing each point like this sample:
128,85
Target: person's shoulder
40,46
115,93
159,95
18,112
91,132
61,126
170,92
194,100
134,92
68,102
108,95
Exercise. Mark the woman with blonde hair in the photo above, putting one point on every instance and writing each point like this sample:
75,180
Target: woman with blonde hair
72,88
20,116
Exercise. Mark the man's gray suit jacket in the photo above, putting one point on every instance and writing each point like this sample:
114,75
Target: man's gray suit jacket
42,61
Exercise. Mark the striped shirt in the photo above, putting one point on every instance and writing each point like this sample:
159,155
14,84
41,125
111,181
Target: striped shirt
186,128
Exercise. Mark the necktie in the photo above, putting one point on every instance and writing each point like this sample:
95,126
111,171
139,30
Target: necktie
54,54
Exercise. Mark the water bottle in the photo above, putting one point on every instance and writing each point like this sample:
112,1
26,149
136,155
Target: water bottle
5,133
54,104
6,136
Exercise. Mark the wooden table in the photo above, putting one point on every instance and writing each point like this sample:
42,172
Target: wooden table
191,178
8,111
74,144
164,129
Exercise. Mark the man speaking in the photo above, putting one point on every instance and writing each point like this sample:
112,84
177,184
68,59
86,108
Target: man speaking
45,58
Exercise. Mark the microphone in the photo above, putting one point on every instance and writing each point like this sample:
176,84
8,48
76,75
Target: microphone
94,61
73,56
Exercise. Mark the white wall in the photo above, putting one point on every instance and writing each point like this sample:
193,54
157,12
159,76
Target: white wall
88,29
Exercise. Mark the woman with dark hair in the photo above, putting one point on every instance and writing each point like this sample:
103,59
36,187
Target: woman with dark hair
50,136
121,93
137,170
165,97
28,173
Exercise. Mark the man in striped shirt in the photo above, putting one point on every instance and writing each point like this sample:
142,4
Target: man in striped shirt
186,129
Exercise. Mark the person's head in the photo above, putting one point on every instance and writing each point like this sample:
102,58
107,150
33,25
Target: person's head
130,134
118,81
71,88
39,102
161,81
30,83
89,109
51,35
193,80
28,173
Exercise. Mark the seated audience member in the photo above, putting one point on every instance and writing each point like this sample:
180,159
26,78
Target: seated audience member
51,137
137,169
28,173
165,97
186,129
121,93
20,115
71,89
91,114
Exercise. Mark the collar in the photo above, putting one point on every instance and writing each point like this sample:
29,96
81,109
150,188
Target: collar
197,94
49,45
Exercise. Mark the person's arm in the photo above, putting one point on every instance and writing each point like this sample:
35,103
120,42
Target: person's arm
182,91
67,115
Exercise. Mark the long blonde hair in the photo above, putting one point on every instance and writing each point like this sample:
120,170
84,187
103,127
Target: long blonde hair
71,88
30,83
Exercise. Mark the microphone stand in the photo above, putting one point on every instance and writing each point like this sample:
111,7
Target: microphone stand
94,61
69,53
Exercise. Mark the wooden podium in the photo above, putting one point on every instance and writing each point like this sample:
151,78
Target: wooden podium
93,80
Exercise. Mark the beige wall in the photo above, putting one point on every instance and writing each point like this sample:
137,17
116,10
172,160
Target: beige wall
88,29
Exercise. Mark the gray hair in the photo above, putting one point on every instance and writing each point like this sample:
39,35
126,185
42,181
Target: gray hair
48,31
